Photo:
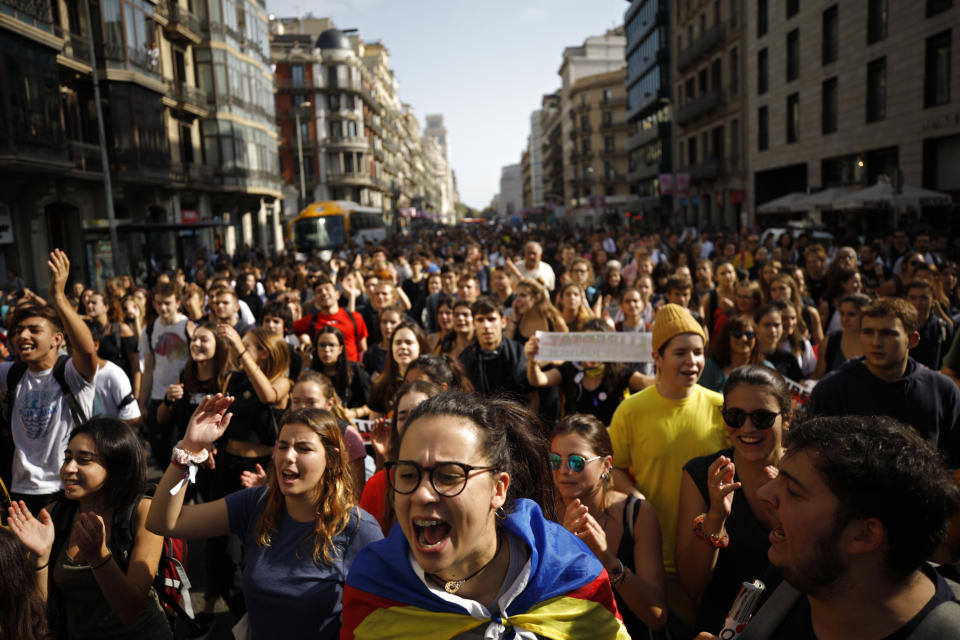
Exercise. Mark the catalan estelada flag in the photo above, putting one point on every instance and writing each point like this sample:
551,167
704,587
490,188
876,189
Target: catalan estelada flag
567,593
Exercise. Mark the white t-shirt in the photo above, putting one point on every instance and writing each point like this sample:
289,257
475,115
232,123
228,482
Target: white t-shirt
543,272
170,351
112,386
41,425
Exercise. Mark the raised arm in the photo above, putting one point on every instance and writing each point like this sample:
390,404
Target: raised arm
168,516
84,351
535,375
272,392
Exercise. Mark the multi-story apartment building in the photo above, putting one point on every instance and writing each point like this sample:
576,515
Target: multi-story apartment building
596,56
437,131
597,176
535,147
551,123
710,109
649,113
842,93
511,190
525,170
358,141
192,155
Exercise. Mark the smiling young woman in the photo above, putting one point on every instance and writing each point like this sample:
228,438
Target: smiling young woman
95,583
474,552
727,542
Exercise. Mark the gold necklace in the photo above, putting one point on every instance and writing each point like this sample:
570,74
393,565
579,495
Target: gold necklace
452,586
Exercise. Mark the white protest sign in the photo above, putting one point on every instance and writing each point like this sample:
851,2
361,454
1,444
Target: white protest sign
595,346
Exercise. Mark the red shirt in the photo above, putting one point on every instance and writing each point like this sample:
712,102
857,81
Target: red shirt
353,331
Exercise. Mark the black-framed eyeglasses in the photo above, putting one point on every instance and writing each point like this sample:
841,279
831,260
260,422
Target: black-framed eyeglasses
739,334
448,479
577,463
761,418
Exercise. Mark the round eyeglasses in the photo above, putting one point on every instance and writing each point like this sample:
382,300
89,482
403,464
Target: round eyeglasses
448,479
577,463
760,418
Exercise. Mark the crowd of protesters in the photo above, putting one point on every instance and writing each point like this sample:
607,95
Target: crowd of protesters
304,409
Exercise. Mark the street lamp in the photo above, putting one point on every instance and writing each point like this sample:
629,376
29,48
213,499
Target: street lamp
303,182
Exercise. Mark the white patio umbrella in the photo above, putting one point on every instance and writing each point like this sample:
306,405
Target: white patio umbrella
783,204
881,195
824,200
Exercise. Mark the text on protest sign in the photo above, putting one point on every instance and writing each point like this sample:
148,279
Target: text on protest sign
595,346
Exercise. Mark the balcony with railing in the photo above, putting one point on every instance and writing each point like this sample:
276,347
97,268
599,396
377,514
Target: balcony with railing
354,178
76,47
614,102
700,106
709,169
183,24
711,39
613,125
190,100
86,157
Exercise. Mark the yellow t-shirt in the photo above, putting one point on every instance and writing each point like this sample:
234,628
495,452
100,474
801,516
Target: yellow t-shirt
655,436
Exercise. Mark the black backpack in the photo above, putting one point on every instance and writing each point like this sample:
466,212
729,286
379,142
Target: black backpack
14,375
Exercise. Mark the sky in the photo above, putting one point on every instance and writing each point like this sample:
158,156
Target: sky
483,65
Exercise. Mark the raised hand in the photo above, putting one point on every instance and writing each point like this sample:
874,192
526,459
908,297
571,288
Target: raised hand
721,486
257,478
59,272
232,338
35,533
90,534
207,423
380,436
578,521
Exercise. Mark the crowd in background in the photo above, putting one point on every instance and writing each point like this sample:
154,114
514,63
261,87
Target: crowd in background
659,466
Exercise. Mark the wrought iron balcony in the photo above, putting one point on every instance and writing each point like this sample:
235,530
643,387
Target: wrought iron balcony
711,38
700,106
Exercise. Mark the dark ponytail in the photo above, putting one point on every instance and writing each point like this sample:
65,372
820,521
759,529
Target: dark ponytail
512,440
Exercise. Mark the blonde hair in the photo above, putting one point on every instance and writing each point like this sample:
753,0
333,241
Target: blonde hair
278,355
543,307
334,496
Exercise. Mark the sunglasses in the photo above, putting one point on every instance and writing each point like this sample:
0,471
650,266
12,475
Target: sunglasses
760,418
575,462
739,334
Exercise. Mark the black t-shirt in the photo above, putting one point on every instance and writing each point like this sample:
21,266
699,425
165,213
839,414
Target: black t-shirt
253,421
798,625
600,402
109,350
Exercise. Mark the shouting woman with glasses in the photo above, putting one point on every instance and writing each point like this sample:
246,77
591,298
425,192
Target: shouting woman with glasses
621,530
722,529
474,556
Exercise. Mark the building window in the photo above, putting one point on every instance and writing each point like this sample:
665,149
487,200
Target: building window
608,144
691,83
716,74
607,96
735,141
877,90
704,81
297,74
351,128
333,100
762,71
936,82
793,6
692,149
793,55
763,129
936,6
831,35
716,142
793,117
830,104
607,118
332,82
299,99
761,18
876,20
734,71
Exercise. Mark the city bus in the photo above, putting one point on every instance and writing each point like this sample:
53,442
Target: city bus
328,225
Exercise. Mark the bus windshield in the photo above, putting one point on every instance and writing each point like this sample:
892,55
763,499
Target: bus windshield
326,232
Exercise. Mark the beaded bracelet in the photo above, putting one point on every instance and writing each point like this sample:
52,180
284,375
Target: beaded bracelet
183,457
717,540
